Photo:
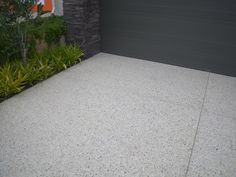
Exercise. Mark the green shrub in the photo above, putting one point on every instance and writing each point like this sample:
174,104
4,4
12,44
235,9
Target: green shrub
12,80
14,17
15,76
47,29
37,69
72,53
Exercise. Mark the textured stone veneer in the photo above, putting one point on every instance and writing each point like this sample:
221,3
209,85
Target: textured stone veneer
82,20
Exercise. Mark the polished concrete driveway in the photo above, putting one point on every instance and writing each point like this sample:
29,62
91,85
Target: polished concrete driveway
112,116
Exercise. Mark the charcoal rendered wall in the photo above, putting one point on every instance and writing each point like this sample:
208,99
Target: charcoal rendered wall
199,34
82,20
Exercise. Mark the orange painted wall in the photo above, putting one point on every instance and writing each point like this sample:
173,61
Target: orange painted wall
47,6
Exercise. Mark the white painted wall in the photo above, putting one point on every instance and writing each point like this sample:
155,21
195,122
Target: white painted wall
41,2
58,5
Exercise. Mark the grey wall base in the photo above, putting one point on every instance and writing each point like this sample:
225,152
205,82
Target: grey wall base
82,20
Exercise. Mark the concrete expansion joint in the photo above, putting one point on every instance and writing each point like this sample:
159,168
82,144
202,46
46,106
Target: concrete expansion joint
199,120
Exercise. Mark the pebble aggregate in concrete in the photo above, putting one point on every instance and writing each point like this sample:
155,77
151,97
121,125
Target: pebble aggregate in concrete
115,116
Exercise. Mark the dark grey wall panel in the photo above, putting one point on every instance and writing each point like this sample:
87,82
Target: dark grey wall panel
199,34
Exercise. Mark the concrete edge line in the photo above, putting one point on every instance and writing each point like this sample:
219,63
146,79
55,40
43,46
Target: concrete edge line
199,120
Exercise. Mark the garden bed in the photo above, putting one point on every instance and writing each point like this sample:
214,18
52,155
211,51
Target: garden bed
31,49
17,76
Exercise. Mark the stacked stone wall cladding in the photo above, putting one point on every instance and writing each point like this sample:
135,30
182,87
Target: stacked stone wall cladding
82,21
